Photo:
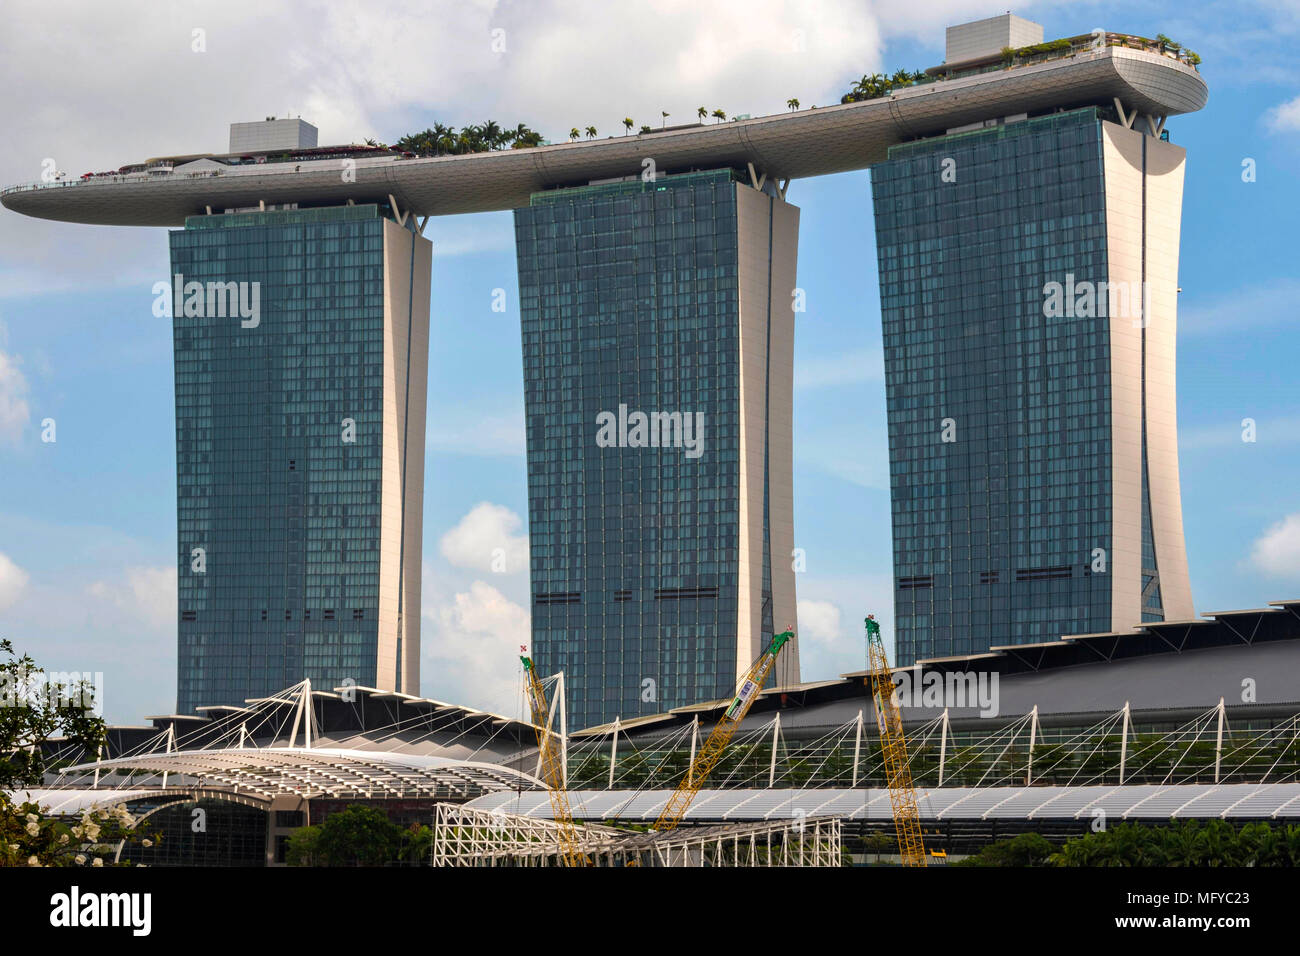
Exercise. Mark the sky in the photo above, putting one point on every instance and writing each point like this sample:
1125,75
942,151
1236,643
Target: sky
87,521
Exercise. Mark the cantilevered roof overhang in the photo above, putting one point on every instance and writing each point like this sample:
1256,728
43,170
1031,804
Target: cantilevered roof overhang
811,142
323,772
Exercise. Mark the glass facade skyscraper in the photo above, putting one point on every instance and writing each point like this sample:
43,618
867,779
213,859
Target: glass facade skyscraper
657,567
299,447
1033,458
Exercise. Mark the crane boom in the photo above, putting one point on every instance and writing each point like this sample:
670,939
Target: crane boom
709,755
552,768
893,746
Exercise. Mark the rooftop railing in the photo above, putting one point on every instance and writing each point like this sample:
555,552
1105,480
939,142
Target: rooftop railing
1012,58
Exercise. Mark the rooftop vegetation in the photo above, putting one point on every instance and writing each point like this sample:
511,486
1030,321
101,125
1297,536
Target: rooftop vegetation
440,140
875,85
1162,44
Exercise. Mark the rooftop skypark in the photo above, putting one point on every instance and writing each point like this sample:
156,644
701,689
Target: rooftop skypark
1155,78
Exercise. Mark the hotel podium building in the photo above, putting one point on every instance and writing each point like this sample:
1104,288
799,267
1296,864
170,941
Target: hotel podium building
1033,453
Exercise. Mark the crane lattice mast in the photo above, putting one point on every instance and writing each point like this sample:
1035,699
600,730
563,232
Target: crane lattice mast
893,746
709,755
548,749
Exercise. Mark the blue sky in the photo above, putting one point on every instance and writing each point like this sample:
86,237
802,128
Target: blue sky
87,523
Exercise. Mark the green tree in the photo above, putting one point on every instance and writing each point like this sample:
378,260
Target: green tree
792,103
878,841
34,707
416,847
1026,849
304,847
354,836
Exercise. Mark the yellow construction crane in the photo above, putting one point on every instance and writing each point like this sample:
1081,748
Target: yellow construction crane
711,753
548,750
898,775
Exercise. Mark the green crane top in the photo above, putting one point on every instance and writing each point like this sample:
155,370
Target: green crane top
873,629
778,642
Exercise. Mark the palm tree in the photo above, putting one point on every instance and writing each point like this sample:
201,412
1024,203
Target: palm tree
574,134
490,134
702,112
627,123
792,103
646,129
664,119
719,115
1291,841
444,138
525,138
868,88
591,132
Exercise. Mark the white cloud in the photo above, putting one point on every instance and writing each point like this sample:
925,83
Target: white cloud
14,410
487,539
1285,118
819,622
383,69
471,649
1277,551
146,594
13,581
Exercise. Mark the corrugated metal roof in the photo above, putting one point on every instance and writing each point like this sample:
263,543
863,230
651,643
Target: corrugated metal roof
1278,801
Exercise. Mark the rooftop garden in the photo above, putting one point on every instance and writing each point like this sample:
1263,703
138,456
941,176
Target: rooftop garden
875,85
440,140
1022,56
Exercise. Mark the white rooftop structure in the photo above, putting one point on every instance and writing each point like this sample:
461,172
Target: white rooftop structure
981,38
272,133
312,772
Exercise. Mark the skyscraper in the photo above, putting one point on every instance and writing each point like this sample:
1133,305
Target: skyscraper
657,571
1028,275
301,343
657,331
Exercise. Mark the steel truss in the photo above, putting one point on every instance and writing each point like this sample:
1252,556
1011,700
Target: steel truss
467,837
